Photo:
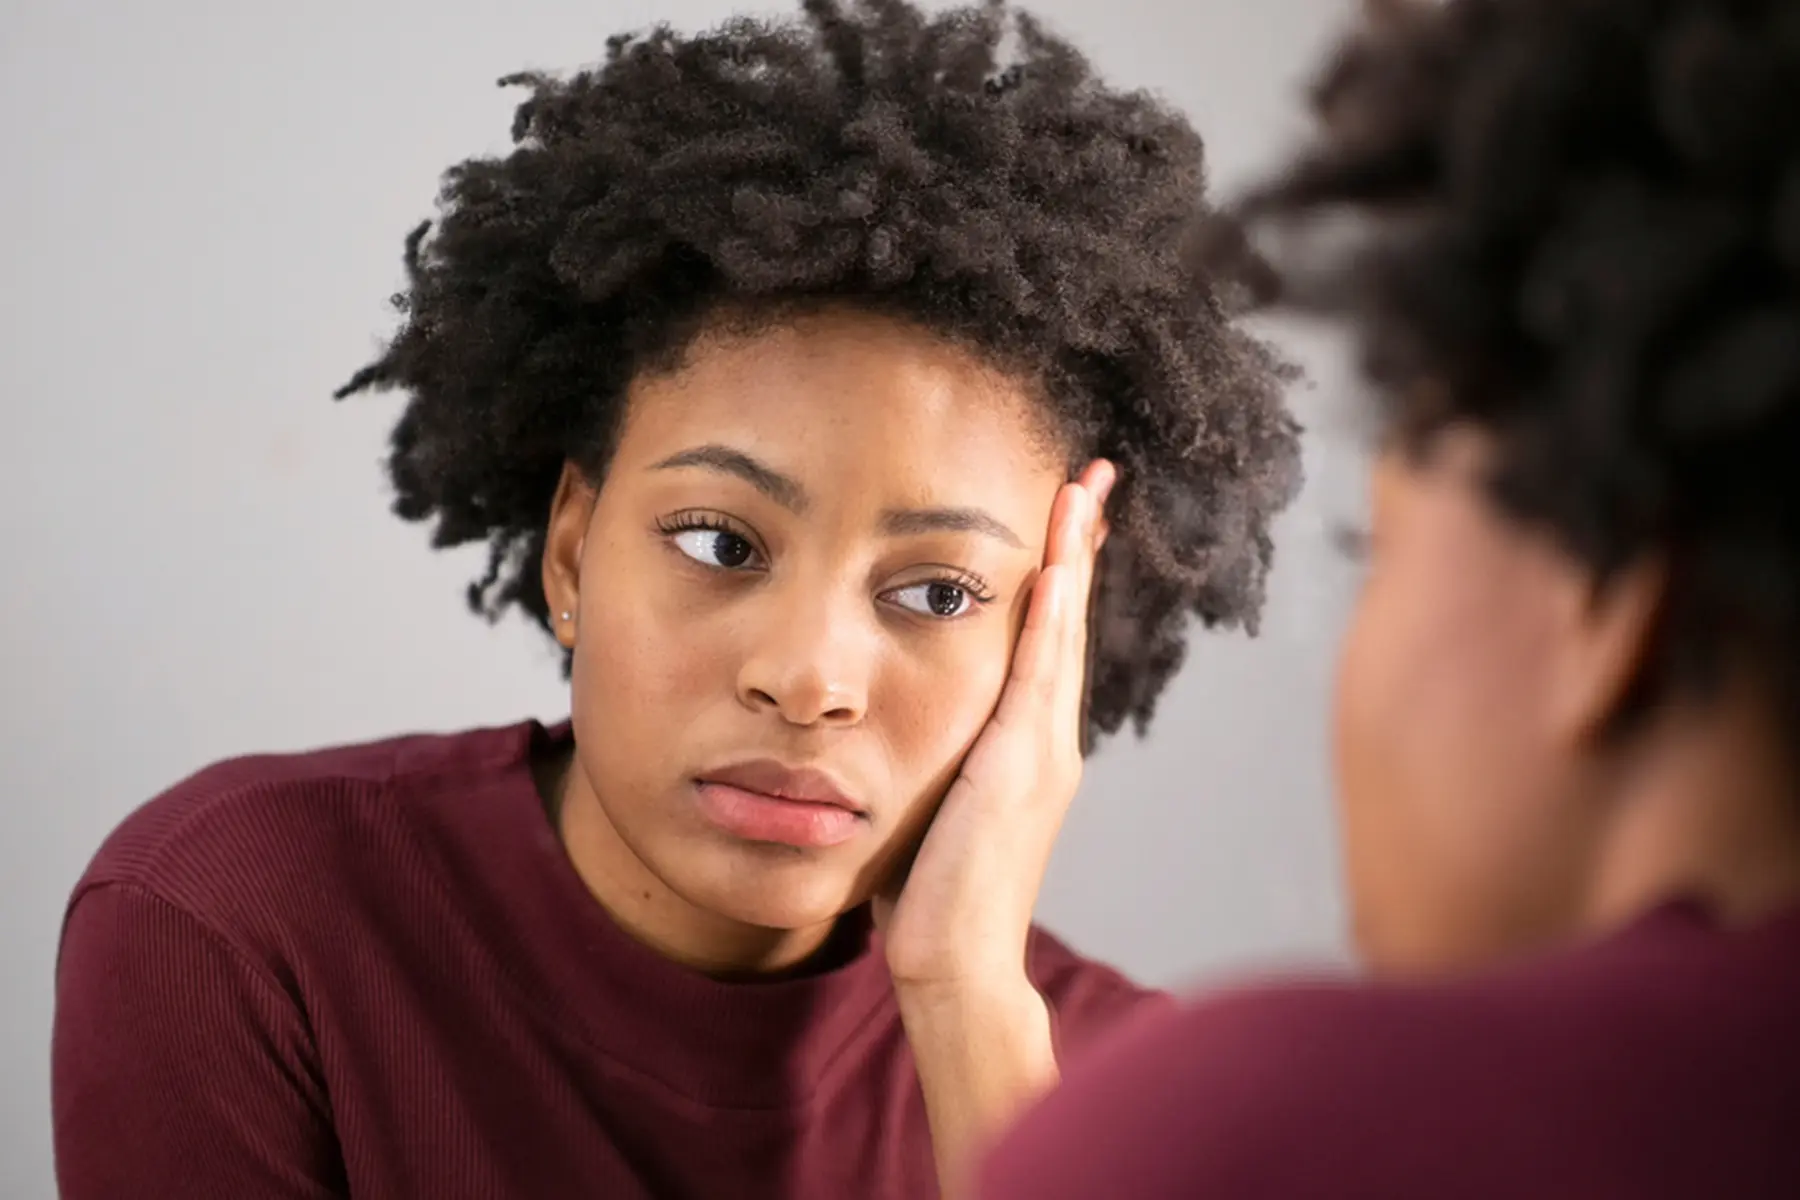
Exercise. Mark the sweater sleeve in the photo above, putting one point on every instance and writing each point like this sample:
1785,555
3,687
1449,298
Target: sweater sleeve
1089,1001
179,1067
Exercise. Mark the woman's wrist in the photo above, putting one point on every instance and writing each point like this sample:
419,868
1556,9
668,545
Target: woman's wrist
954,1001
984,1053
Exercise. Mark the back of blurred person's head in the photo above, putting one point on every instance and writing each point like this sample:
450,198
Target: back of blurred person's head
1566,234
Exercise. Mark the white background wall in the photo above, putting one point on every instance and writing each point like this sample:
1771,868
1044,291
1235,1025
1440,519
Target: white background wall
200,219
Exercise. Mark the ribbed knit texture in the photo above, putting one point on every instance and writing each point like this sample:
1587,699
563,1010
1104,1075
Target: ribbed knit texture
372,972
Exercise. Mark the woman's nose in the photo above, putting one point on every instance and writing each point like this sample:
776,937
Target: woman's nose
810,661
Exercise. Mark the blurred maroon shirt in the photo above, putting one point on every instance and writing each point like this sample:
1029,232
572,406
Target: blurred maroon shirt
1662,1062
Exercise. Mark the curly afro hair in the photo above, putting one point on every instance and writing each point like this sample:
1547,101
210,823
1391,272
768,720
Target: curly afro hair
874,156
1576,224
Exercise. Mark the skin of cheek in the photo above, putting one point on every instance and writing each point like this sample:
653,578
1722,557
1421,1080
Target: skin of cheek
936,710
1459,839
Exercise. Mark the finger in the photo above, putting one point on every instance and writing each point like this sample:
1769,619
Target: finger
1098,477
1049,662
1030,686
1067,536
1089,537
1033,656
1069,518
1072,649
1102,475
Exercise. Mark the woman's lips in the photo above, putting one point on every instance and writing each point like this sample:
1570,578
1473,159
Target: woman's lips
759,817
763,800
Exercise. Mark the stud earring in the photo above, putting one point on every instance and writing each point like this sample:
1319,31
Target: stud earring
567,616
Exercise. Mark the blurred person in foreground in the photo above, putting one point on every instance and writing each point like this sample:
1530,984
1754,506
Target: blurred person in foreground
1567,236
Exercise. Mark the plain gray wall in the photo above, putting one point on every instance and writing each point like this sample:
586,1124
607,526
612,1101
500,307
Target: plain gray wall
200,222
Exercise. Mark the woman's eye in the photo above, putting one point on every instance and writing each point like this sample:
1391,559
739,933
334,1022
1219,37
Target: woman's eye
1350,541
934,599
715,547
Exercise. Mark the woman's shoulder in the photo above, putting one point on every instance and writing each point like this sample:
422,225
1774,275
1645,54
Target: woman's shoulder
1088,999
240,834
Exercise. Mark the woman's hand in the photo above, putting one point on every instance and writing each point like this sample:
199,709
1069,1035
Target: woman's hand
955,933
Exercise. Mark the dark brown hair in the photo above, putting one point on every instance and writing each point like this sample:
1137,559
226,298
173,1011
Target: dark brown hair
869,155
1576,224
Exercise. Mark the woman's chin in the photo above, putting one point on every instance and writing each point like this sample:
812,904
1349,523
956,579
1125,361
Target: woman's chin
793,913
786,900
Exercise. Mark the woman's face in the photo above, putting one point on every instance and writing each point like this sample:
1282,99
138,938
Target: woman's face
796,595
1458,774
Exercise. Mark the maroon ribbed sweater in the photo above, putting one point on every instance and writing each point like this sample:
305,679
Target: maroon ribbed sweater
372,972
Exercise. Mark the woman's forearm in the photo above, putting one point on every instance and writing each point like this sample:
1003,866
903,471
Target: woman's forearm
983,1055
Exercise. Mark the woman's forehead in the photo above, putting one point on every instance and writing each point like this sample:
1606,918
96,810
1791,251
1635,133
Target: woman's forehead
847,385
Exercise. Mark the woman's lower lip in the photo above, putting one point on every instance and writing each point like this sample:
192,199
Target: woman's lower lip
755,817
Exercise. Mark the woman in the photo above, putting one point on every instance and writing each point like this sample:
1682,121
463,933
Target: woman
1568,702
784,370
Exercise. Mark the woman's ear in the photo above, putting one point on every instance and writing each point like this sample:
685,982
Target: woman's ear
1609,639
570,511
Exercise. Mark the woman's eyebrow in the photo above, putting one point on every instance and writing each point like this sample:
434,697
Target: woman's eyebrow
788,493
903,521
780,488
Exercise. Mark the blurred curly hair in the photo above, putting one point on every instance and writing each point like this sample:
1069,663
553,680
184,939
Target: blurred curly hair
1576,224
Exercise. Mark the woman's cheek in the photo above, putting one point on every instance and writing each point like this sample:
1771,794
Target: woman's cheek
958,693
657,647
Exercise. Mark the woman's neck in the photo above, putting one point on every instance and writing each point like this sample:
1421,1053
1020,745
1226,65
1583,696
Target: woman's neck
1711,815
641,904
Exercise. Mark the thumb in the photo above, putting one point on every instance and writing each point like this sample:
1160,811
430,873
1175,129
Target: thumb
887,892
881,907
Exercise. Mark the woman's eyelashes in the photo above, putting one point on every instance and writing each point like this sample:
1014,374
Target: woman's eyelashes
943,599
712,541
715,541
